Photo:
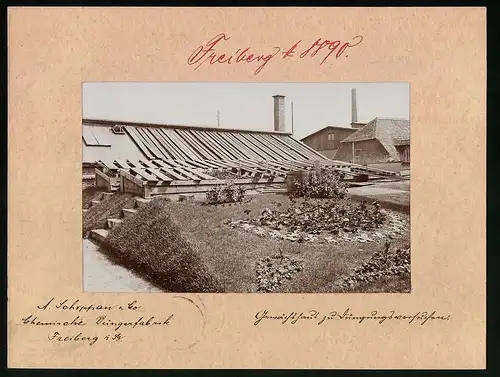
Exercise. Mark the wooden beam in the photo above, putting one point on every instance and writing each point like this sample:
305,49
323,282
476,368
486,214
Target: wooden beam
107,163
149,142
156,171
185,150
198,174
131,131
255,153
266,147
286,153
163,166
156,137
262,151
196,144
236,151
170,145
284,141
250,154
209,143
143,173
131,177
181,170
123,164
177,189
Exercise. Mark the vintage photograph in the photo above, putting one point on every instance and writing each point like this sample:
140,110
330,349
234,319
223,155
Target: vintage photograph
246,187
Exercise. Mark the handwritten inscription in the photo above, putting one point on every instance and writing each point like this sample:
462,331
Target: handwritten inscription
89,317
315,316
210,52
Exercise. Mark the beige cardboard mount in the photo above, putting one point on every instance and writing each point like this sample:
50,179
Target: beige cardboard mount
52,51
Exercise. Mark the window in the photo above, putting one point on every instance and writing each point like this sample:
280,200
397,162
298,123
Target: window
118,129
357,153
329,136
333,136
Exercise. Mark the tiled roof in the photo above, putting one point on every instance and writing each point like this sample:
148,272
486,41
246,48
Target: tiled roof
388,131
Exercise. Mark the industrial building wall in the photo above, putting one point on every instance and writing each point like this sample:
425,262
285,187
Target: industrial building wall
329,153
404,153
321,142
365,152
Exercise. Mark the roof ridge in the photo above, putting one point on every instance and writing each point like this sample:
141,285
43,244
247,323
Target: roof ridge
109,122
327,126
333,125
389,118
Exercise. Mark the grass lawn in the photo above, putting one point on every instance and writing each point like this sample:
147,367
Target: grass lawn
194,250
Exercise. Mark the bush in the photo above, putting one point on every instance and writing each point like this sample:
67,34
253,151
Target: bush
214,195
327,184
383,264
225,194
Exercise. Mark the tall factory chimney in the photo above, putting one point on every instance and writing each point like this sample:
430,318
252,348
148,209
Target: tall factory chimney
354,107
279,113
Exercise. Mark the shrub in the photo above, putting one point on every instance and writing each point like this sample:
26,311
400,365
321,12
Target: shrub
228,193
327,184
214,195
382,264
240,193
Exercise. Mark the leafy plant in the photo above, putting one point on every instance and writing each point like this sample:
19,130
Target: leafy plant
228,193
383,263
327,184
240,193
214,195
317,216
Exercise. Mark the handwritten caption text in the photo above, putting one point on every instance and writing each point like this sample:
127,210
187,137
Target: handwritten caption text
210,52
90,322
318,318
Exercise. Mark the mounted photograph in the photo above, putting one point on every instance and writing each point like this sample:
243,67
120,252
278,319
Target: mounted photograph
246,187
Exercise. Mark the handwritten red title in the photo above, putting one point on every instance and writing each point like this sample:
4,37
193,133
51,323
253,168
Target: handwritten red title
209,52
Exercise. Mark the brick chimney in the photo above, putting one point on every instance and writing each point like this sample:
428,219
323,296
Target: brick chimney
354,109
354,118
279,113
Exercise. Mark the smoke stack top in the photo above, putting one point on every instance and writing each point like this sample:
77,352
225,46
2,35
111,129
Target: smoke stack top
354,118
279,113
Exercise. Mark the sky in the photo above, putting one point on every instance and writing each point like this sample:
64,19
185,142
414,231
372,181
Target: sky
245,105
